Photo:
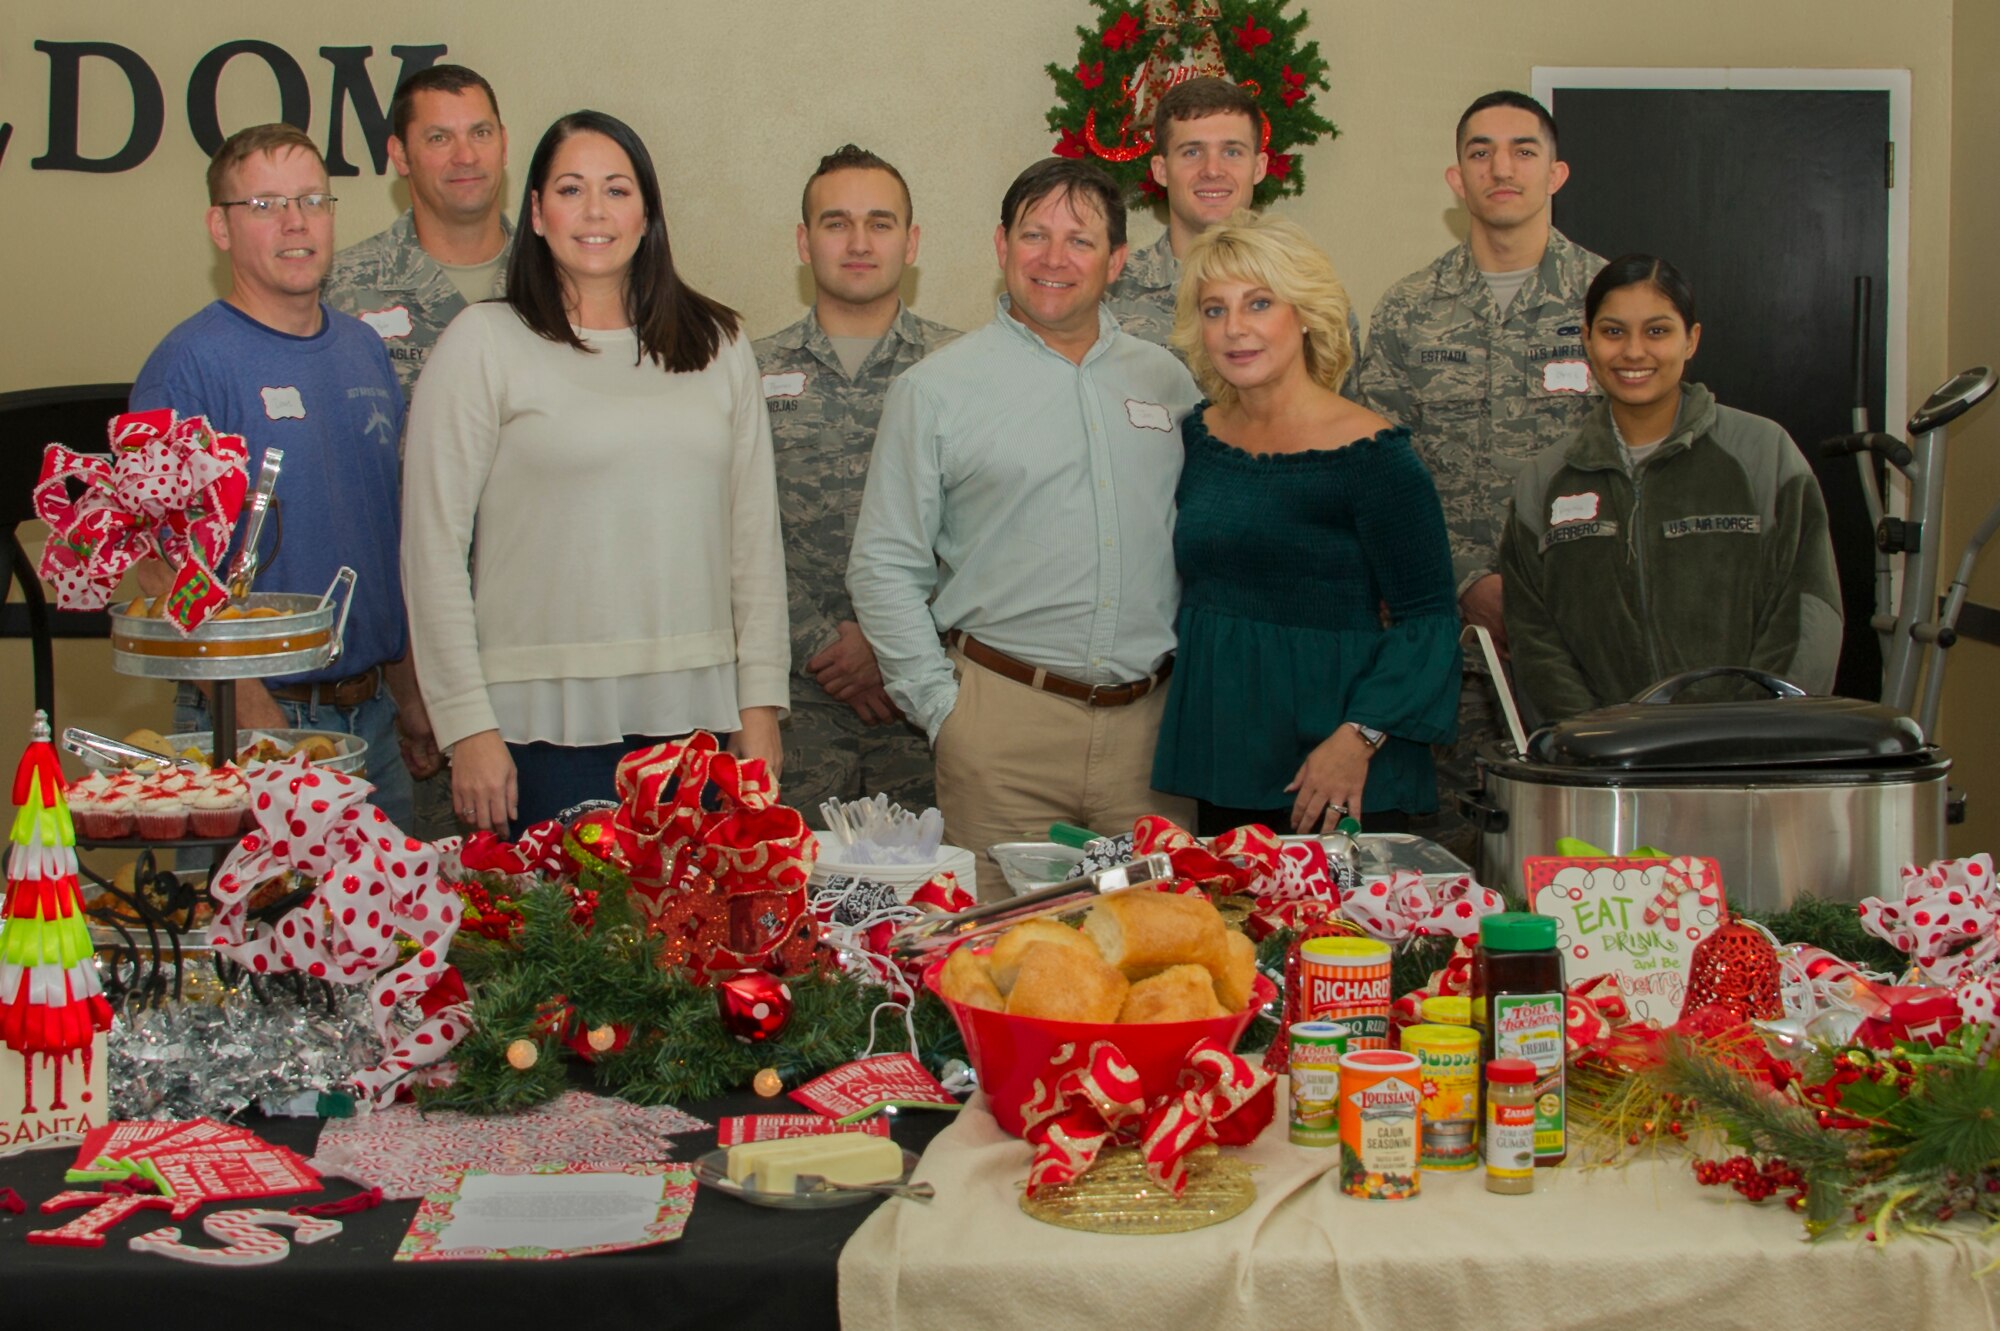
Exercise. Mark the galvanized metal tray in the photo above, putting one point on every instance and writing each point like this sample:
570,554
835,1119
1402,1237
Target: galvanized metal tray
350,751
279,633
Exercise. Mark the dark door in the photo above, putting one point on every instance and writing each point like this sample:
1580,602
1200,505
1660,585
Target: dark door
1772,203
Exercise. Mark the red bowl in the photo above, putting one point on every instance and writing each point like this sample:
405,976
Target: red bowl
1009,1053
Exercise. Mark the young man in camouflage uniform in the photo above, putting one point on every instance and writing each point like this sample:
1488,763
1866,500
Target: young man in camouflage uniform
449,250
1205,156
824,378
1481,355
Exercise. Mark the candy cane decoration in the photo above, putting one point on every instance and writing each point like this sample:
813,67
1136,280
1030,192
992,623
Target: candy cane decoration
106,1210
1683,874
247,1234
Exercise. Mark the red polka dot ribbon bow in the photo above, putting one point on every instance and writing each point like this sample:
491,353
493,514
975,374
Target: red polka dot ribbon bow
1403,905
368,889
169,487
1092,1098
1947,920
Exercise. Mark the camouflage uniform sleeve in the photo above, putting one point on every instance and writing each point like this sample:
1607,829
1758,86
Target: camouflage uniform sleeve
1382,377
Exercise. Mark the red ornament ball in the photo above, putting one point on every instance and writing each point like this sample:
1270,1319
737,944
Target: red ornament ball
755,1006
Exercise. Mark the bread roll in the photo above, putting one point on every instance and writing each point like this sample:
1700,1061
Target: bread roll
965,979
1237,975
1178,993
1142,932
1005,958
152,741
1062,983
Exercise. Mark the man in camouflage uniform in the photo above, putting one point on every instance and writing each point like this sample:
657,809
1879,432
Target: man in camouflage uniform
824,378
451,248
1205,156
408,282
1481,355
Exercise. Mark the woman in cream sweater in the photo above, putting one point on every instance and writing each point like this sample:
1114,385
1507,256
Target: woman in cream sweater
590,522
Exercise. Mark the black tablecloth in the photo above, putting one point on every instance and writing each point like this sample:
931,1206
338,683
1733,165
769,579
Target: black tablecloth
736,1265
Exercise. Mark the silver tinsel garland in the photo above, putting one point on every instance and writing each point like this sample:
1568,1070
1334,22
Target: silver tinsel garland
228,1050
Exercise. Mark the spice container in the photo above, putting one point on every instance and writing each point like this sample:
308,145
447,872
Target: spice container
1510,1126
1518,1007
1380,1128
1450,1058
1346,979
1447,1010
1317,1047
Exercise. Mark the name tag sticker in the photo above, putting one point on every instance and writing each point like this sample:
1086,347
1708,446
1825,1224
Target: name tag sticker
785,385
1566,376
1573,508
1148,415
390,323
283,404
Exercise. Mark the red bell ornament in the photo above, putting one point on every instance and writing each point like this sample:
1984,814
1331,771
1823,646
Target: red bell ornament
755,1006
1735,968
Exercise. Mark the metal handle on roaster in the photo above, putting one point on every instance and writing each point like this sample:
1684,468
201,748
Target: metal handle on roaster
347,576
938,933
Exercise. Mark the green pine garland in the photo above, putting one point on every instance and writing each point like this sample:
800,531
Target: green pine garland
679,1052
1096,82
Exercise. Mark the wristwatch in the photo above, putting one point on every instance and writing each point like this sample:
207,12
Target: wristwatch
1369,735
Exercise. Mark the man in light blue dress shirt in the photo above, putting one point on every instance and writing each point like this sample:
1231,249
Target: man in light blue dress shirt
1013,565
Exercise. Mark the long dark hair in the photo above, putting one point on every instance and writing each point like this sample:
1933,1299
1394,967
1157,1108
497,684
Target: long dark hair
1640,270
677,326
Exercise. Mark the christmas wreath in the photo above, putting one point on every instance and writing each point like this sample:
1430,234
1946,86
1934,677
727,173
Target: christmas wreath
1136,52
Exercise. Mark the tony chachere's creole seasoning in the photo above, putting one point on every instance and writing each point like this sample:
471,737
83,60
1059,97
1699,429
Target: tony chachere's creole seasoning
1380,1127
1316,1050
1450,1058
1517,1002
1347,980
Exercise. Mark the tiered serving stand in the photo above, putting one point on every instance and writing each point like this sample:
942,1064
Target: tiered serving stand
279,633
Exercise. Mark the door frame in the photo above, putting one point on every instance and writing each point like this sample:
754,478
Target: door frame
1546,79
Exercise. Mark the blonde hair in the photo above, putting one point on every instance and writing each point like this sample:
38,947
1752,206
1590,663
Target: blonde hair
1277,255
273,138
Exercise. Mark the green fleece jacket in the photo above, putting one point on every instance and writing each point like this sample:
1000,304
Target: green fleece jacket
1714,552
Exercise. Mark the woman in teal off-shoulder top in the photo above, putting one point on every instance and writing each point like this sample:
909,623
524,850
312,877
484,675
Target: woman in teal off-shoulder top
1318,657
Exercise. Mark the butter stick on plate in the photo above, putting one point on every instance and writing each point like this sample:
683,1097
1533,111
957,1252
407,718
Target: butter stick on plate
839,1157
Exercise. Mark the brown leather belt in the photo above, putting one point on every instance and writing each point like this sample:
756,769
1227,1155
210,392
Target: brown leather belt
1096,695
349,692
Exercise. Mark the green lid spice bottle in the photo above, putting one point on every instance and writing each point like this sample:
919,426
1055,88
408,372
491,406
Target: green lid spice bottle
1518,1006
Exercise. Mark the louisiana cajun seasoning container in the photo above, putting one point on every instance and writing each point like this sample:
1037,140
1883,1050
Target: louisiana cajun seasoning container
1381,1130
1346,979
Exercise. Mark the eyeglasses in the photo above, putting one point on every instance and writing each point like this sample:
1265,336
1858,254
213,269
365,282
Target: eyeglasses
273,205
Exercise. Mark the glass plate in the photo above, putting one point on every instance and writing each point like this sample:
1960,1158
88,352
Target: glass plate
713,1169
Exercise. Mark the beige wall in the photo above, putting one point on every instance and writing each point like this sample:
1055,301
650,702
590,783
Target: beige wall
1970,724
738,101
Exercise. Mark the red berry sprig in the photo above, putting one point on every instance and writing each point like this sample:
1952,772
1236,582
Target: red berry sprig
1754,1181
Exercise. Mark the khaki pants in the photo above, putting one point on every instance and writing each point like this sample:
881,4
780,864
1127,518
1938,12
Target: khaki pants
1012,759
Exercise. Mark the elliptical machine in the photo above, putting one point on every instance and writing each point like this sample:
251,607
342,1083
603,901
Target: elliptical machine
1912,623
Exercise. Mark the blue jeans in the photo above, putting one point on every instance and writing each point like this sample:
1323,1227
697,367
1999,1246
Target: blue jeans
550,778
373,721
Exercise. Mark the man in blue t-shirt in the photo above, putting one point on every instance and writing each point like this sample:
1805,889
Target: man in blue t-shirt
271,363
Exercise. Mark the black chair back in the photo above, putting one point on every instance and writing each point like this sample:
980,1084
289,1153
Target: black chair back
76,416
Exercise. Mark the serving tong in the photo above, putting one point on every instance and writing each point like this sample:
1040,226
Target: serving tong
935,935
80,741
243,573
